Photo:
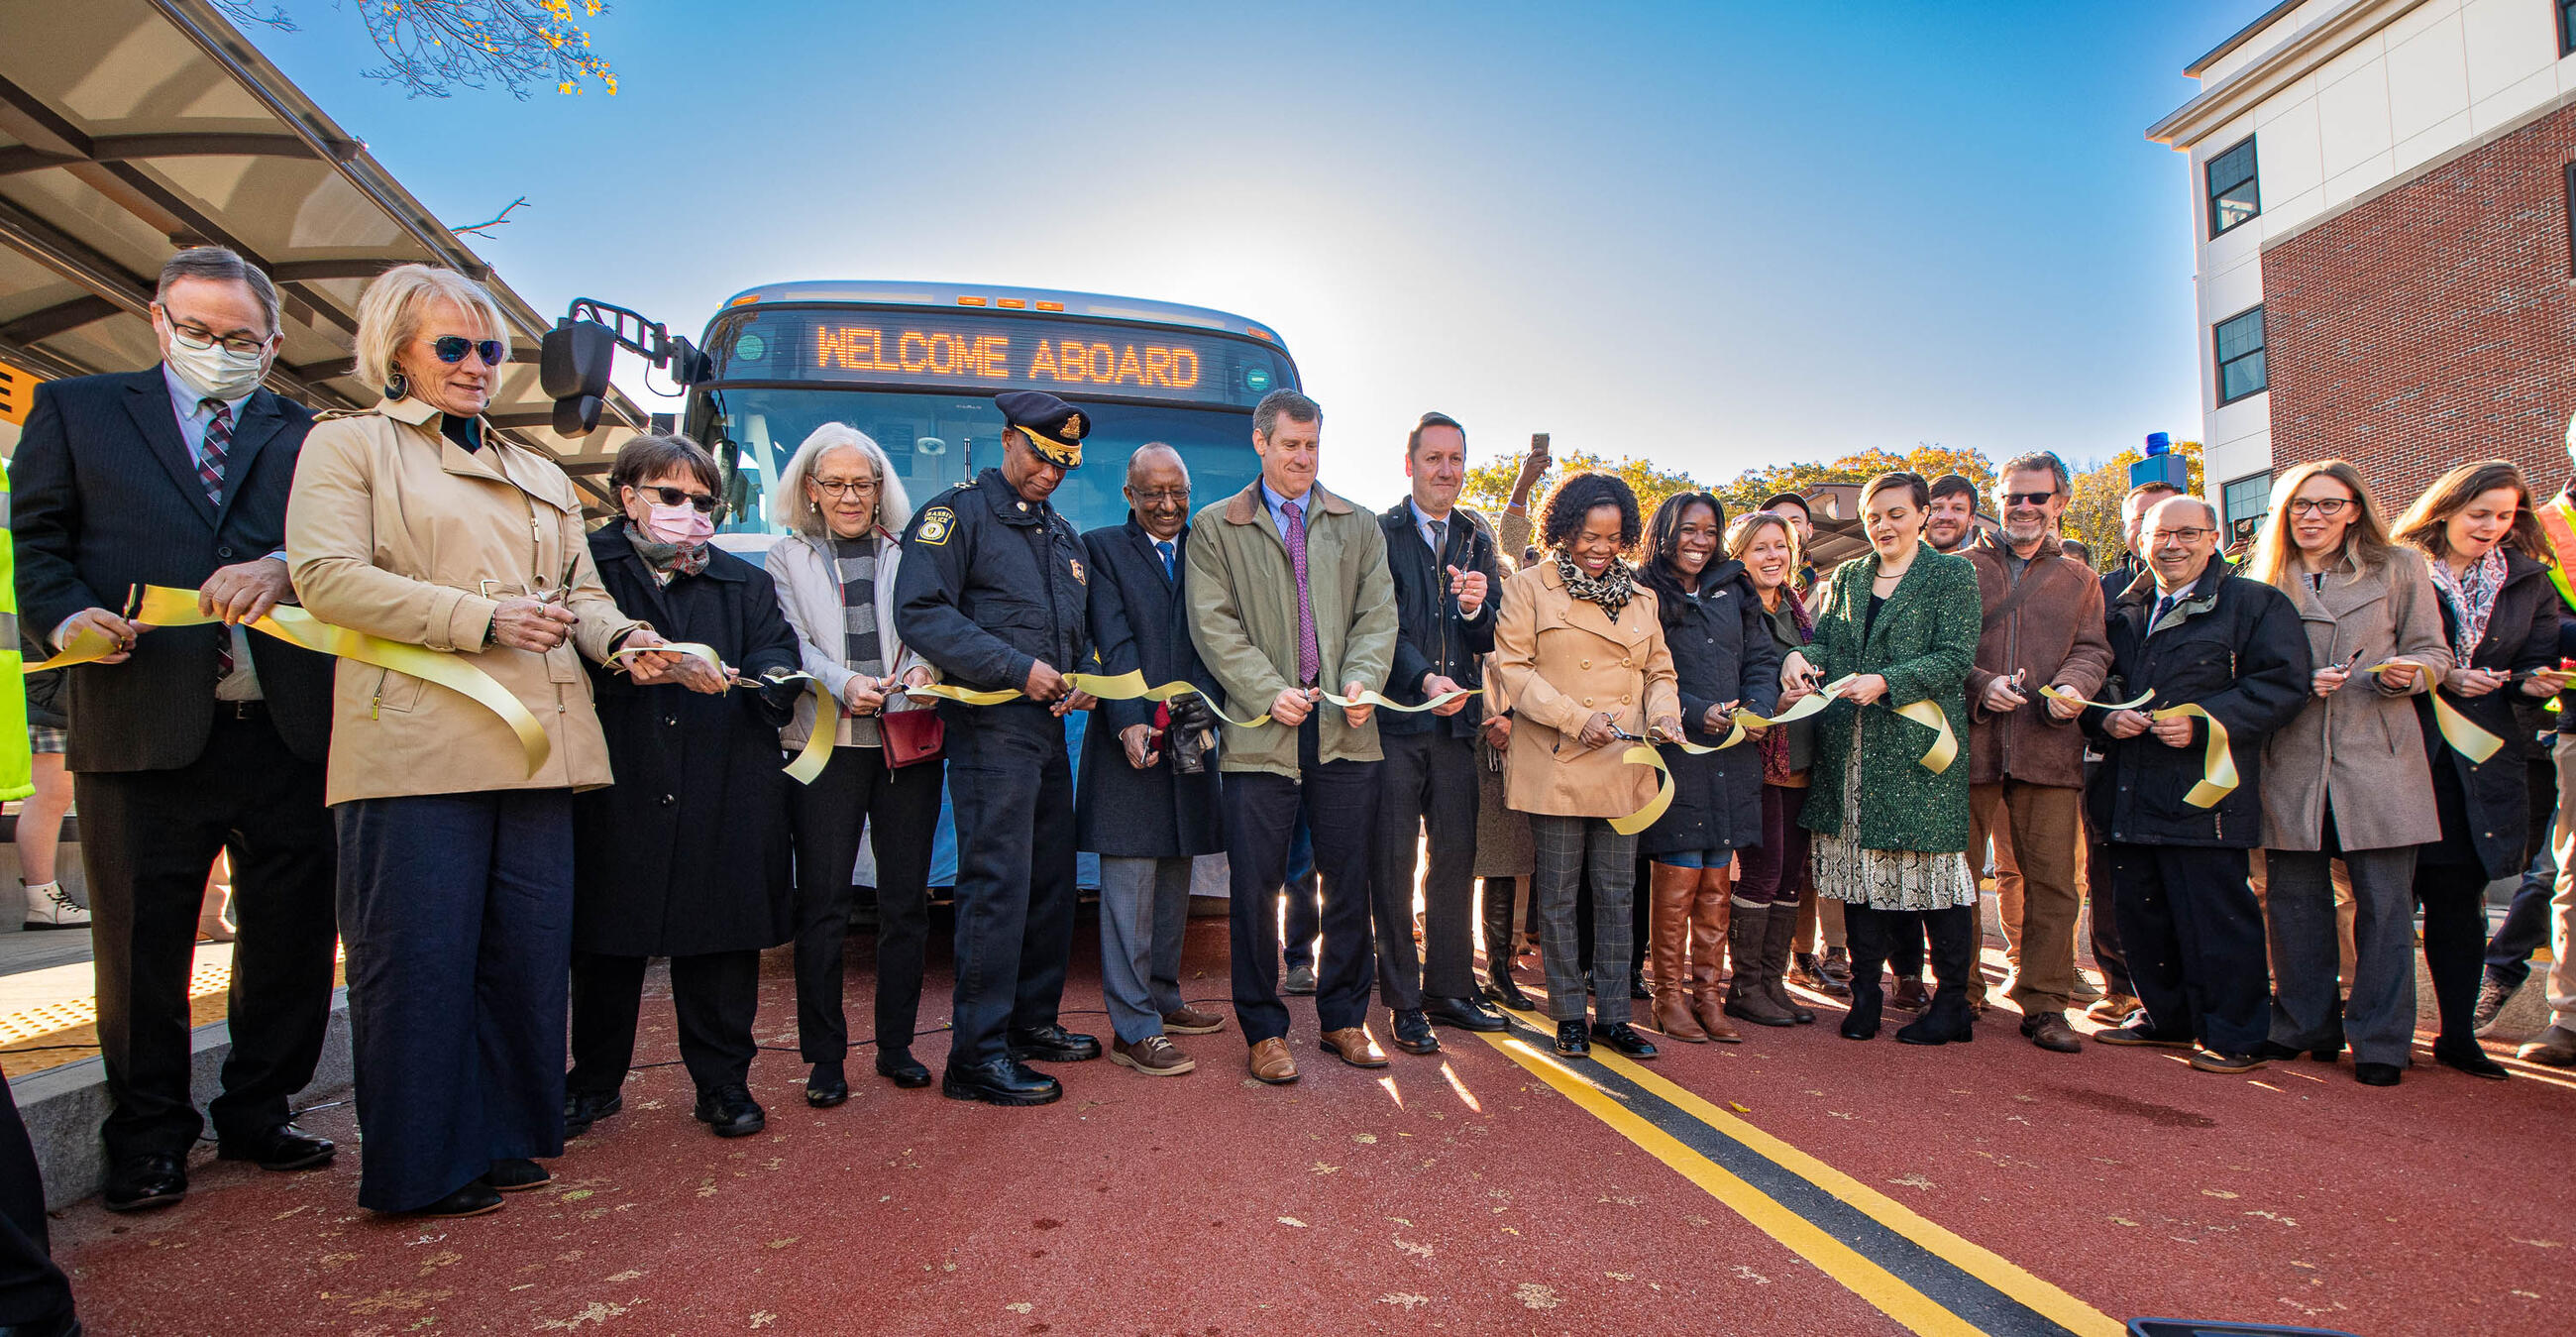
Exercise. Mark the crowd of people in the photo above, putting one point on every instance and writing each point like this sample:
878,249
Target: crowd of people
1696,768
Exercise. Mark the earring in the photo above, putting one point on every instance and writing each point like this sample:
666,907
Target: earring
398,386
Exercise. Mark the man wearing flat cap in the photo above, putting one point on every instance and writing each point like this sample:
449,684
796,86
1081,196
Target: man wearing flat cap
993,591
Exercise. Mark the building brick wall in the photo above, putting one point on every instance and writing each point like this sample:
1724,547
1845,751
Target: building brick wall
2433,325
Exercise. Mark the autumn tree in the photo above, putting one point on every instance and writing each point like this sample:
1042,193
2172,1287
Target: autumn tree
2093,504
434,47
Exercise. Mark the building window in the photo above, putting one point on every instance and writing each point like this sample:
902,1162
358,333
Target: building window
2233,196
2247,501
2567,27
2571,214
2240,356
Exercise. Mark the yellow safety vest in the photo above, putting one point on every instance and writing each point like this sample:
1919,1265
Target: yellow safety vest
17,764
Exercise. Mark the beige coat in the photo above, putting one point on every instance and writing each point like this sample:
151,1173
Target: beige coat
2362,745
1557,659
396,531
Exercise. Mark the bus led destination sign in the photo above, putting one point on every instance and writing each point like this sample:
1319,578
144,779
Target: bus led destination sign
986,354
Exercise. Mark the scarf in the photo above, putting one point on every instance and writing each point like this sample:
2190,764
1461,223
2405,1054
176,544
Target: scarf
667,560
1775,742
2472,598
854,567
1609,591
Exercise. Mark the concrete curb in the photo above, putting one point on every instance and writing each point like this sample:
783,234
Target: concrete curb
63,1106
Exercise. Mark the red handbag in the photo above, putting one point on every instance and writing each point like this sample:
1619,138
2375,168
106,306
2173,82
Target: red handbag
911,737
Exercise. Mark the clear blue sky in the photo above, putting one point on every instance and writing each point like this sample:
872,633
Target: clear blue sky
1716,234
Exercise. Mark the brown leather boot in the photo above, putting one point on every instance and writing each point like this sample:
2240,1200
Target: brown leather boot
1669,943
1709,902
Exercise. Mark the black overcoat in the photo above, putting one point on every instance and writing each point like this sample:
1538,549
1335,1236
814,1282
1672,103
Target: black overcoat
1140,621
687,853
1722,651
2487,804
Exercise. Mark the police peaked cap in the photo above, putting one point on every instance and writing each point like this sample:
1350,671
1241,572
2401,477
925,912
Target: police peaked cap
1054,428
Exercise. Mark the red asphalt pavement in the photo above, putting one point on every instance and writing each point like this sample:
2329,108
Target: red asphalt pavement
1447,1193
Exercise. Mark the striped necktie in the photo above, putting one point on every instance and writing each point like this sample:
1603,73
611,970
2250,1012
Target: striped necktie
210,456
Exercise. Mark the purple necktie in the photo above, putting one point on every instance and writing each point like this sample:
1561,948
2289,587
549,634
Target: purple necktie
1310,658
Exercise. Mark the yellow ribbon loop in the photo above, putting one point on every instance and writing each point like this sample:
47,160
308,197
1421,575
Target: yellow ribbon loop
817,752
163,606
89,645
2217,765
2070,698
2464,736
1646,816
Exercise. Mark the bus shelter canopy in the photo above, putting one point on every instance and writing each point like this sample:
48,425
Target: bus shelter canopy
132,128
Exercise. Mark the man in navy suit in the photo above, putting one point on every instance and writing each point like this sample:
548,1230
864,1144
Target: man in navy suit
187,741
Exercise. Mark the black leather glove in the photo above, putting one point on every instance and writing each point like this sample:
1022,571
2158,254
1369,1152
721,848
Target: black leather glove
1190,713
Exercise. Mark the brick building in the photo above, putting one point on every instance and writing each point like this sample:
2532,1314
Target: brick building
2386,266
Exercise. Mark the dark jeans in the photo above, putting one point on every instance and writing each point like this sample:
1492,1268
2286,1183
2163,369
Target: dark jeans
1428,783
457,913
714,997
2525,926
1784,846
1305,910
32,1289
900,809
1010,785
150,837
1339,803
2194,936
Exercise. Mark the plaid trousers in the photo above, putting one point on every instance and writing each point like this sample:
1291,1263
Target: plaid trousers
1565,850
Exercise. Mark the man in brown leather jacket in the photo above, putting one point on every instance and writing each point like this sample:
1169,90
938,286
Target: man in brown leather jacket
2025,753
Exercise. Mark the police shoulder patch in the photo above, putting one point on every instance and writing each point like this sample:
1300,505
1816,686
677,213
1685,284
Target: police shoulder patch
935,525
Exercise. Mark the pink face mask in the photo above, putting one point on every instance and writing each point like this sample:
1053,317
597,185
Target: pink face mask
683,525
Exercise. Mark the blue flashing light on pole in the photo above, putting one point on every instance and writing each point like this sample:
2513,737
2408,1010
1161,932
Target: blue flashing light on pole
2161,465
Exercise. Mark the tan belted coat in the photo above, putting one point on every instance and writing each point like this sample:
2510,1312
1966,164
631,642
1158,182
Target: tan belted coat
2361,748
396,531
1557,659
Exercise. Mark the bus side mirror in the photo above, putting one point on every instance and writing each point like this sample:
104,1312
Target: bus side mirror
574,359
577,415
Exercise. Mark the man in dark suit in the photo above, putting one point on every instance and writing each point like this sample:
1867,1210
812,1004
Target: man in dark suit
187,741
1146,796
1443,562
2119,1001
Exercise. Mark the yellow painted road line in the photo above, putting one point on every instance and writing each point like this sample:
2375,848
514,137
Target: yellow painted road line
1831,1256
1974,1259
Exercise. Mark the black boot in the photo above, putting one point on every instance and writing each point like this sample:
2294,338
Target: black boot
1953,935
1868,999
1499,941
1868,935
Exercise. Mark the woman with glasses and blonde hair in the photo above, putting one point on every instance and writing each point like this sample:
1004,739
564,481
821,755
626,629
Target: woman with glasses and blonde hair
2500,616
2346,778
415,522
842,506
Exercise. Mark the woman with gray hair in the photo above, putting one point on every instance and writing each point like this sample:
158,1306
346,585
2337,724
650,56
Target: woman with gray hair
842,507
413,522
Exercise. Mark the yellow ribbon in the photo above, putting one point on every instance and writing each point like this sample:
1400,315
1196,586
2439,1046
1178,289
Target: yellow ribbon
2458,730
2070,698
1130,686
2217,764
162,606
1813,703
89,645
817,753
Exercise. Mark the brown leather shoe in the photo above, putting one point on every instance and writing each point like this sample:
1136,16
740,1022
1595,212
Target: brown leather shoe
1355,1046
1187,1020
2049,1031
1153,1056
2115,1009
1669,937
1910,994
1270,1062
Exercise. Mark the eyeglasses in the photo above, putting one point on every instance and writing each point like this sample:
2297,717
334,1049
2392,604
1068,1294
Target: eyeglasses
2029,498
1167,497
2183,535
672,496
452,348
2326,507
856,487
200,339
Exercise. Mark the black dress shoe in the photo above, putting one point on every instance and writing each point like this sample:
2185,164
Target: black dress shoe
285,1147
731,1112
584,1108
1411,1032
1051,1044
517,1175
1574,1038
141,1182
474,1199
901,1068
1503,989
2468,1058
1625,1038
1465,1014
827,1086
2377,1074
1001,1081
1637,990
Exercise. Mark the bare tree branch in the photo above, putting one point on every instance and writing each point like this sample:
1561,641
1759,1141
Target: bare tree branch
433,47
482,229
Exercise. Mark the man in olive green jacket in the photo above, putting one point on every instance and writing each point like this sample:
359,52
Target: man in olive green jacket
1290,598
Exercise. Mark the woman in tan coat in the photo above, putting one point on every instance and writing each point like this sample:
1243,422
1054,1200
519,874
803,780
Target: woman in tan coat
414,523
2347,778
1580,661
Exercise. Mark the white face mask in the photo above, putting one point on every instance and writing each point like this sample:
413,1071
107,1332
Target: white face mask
216,372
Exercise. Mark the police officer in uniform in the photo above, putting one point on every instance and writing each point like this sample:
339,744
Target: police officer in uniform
992,591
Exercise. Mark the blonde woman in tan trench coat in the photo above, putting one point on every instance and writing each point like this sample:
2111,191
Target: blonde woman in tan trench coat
1580,661
413,523
2347,778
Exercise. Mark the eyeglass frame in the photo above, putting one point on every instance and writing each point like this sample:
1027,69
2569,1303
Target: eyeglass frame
851,488
2322,507
1180,494
189,338
707,503
2187,535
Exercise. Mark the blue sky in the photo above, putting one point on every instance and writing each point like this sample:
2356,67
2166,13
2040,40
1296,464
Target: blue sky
1719,234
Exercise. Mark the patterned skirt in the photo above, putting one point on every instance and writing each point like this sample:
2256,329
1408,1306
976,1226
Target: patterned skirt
1849,872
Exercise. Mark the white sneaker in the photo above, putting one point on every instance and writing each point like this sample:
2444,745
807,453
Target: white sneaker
49,906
